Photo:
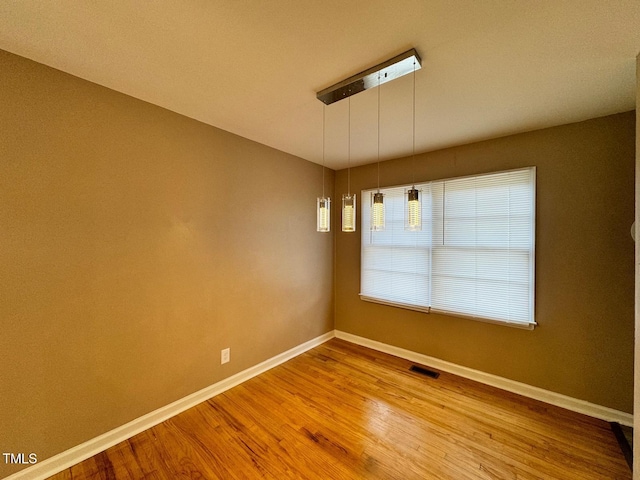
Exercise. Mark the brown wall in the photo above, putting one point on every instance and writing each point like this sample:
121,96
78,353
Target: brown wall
583,346
135,244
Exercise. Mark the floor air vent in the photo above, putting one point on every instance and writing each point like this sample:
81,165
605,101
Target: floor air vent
424,371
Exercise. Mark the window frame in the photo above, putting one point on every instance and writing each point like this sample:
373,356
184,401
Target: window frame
365,219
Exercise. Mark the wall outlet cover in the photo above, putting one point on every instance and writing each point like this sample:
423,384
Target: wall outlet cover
225,355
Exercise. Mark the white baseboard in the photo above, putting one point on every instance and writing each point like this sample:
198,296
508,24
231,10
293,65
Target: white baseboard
557,399
68,458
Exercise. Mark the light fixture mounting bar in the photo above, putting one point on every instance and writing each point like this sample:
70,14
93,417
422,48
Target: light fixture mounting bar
389,70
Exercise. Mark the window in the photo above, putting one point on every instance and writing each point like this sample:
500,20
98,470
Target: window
474,256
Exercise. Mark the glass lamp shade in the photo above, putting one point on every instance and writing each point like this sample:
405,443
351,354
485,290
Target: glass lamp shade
324,214
377,212
413,211
349,212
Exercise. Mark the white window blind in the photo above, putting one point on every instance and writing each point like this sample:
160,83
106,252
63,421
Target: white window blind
474,256
396,264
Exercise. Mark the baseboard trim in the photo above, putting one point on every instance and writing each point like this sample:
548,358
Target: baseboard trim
557,399
68,458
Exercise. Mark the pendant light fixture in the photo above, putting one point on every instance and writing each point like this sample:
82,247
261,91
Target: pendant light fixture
324,203
377,198
349,199
386,71
413,210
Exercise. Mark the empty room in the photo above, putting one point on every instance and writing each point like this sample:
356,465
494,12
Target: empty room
319,240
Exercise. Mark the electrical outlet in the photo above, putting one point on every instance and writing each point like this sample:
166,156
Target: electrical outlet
225,355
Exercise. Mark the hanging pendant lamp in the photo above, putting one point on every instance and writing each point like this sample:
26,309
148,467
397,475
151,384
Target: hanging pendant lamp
323,203
413,217
348,212
386,71
377,198
413,209
349,199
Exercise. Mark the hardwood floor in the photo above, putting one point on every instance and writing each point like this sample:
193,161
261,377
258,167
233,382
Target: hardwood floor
341,411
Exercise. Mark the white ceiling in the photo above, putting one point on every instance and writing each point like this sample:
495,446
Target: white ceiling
252,67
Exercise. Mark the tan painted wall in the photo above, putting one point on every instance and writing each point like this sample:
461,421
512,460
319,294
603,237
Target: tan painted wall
135,244
583,346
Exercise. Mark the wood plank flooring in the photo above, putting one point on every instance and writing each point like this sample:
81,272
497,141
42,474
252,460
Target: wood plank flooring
341,411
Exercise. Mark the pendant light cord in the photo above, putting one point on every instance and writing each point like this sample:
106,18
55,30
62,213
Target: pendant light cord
324,110
378,133
413,160
349,154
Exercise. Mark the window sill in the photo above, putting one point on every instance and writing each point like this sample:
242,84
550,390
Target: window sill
520,325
